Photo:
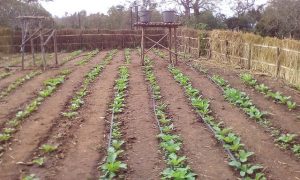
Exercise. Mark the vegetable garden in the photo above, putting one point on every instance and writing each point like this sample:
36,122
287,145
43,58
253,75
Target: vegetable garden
102,115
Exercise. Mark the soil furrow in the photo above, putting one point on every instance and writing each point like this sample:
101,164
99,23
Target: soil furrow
35,127
10,79
16,100
142,155
205,156
279,164
79,151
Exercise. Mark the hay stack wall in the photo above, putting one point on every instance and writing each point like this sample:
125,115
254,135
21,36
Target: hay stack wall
279,58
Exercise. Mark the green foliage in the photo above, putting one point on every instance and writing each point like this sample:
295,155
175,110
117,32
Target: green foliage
178,173
30,177
39,161
88,57
245,169
48,148
4,75
248,79
286,138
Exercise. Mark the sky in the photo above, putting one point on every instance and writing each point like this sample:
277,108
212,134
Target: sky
59,7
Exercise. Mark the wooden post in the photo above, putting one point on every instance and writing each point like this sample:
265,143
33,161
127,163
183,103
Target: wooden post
209,50
249,56
175,44
277,61
199,47
55,47
142,46
23,43
189,44
32,51
226,51
170,44
42,46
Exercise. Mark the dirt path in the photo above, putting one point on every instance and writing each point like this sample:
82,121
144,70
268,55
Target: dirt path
205,156
279,164
142,154
35,127
17,100
80,143
279,115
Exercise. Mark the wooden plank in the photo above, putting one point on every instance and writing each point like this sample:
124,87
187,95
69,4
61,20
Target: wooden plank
42,47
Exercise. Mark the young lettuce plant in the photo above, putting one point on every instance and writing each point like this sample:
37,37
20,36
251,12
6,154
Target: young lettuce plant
113,165
170,143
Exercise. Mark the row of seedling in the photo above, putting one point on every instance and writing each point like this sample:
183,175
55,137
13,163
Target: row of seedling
127,55
170,142
88,57
4,75
240,158
77,101
17,83
71,56
240,99
277,97
50,86
114,165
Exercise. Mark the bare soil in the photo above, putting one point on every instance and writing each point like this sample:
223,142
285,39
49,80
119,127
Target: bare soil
36,126
205,156
143,155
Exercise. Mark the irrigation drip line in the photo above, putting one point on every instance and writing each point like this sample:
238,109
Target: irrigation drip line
209,126
111,128
154,108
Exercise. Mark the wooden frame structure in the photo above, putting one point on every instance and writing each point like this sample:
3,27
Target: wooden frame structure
168,26
29,34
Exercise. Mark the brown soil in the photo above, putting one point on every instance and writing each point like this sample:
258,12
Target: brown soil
15,101
35,127
279,115
278,164
205,156
79,140
143,157
10,79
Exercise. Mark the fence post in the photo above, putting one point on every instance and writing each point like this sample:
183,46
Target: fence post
277,61
189,44
199,47
226,50
249,56
209,49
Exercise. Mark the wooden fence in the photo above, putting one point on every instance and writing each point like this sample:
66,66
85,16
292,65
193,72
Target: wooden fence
72,39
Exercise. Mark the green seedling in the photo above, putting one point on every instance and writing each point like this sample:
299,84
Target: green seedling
248,79
171,146
39,161
30,177
117,144
176,161
4,137
178,173
48,148
262,88
219,80
286,138
168,137
245,169
244,155
291,105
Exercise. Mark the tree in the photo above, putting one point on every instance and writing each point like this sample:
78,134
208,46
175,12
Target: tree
281,19
10,9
